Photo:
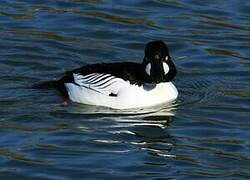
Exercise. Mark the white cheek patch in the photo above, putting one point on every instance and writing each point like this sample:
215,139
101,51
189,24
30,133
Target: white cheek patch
165,68
148,68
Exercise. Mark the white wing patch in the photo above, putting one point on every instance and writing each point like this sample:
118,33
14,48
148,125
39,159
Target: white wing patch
105,84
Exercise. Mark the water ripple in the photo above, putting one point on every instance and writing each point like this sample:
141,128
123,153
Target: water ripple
119,19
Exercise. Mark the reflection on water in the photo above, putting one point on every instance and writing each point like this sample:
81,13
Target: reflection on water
204,134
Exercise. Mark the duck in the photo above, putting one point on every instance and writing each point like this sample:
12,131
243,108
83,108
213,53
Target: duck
123,85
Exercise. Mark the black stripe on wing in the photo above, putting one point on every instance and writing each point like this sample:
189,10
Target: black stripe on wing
102,78
102,83
94,78
90,77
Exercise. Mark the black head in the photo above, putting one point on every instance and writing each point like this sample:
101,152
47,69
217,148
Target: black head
157,62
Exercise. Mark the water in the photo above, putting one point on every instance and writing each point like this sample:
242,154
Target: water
205,134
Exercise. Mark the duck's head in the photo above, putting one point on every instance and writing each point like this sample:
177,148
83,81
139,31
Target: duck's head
157,62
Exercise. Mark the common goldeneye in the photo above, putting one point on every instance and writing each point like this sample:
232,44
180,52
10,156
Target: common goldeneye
123,85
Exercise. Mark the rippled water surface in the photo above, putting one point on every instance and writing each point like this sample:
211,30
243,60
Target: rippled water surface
204,134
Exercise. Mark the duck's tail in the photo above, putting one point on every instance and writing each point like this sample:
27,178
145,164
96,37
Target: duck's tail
46,85
56,84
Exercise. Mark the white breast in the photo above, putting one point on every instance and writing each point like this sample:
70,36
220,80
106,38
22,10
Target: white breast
95,89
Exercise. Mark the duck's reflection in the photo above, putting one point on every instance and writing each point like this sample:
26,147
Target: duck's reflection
145,130
153,135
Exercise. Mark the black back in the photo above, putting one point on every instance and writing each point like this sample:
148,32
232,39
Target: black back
129,71
133,72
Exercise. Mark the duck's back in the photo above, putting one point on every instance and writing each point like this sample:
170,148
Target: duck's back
128,71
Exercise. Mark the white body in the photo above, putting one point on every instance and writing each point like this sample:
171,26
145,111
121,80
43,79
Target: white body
127,95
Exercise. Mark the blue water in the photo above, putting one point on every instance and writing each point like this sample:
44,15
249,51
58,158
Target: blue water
205,134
